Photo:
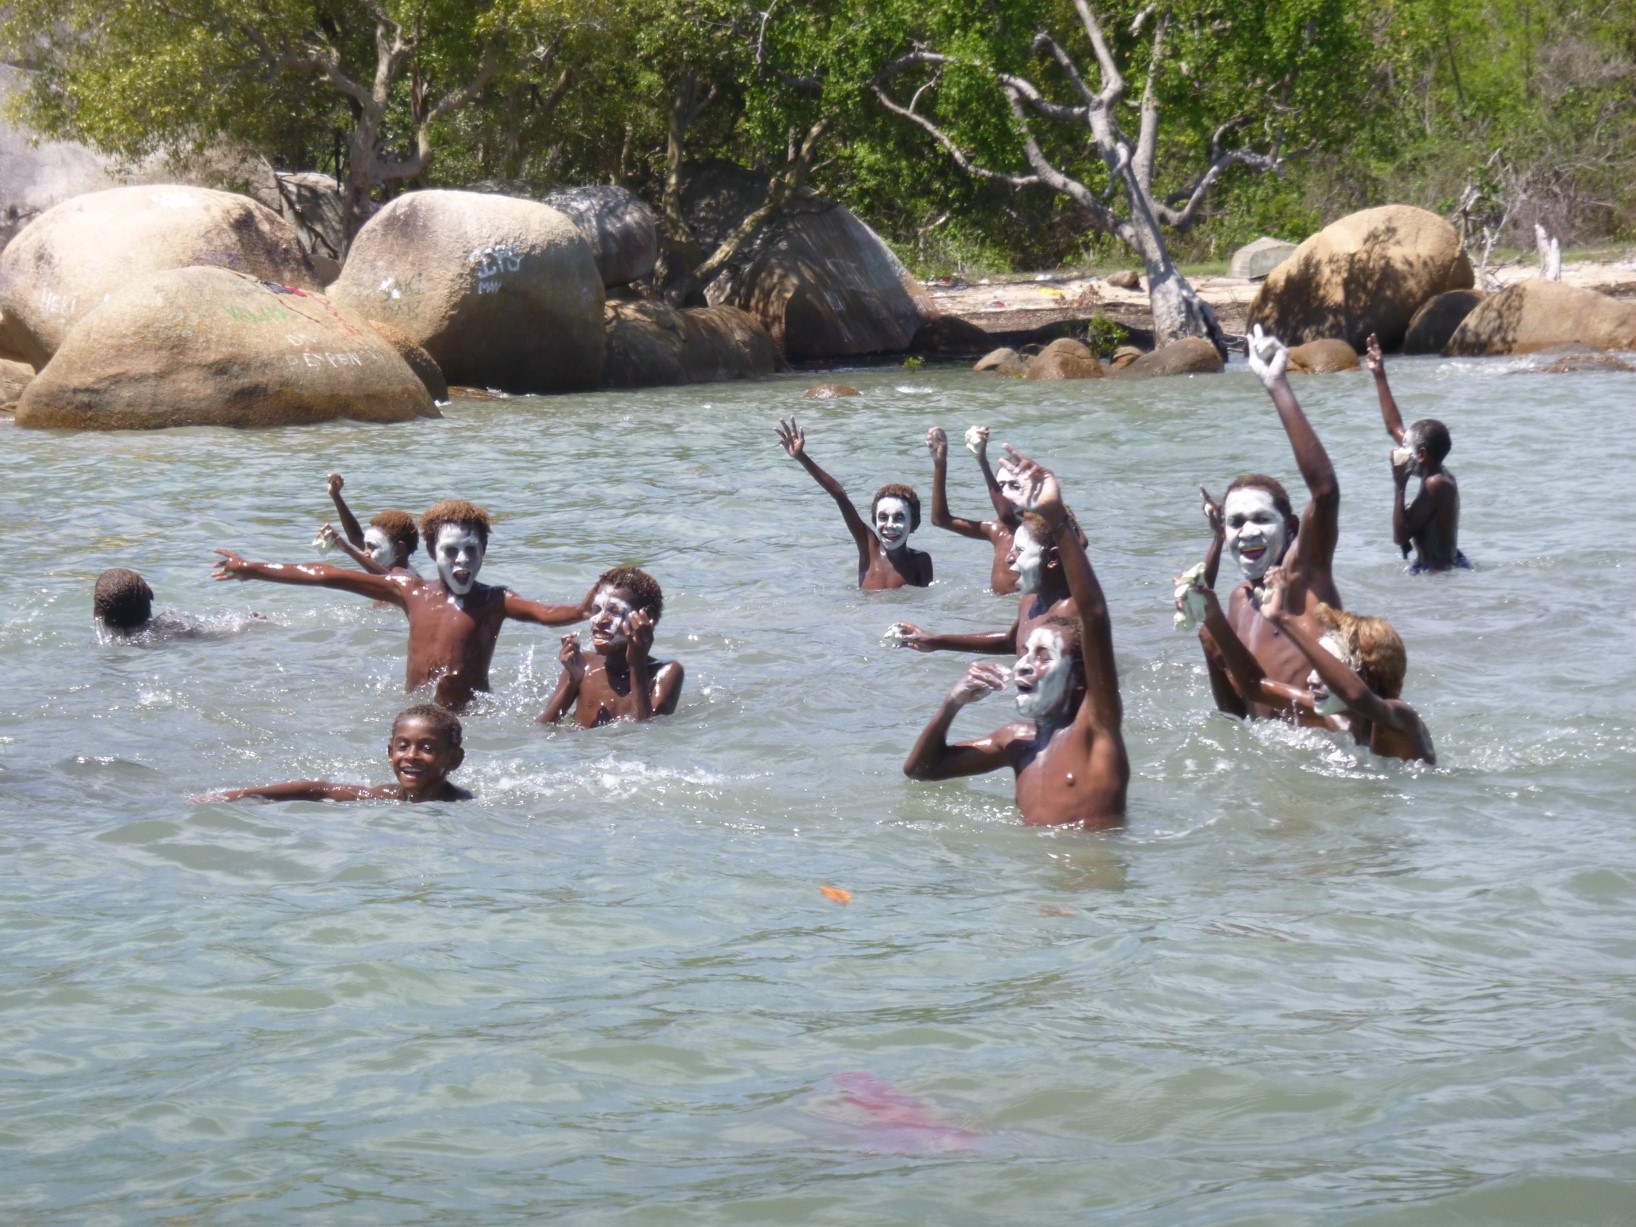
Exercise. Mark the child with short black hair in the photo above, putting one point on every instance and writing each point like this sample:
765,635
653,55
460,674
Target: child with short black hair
1431,523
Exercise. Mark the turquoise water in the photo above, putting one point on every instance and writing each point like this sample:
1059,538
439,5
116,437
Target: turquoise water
1303,986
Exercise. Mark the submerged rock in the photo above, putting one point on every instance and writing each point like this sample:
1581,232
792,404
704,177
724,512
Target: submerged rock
502,292
1188,356
1003,361
829,391
207,347
77,254
1324,356
654,345
1064,358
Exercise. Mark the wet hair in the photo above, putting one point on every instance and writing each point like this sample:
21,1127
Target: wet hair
399,527
897,489
123,599
1041,531
441,718
1373,643
1280,499
455,511
645,592
1430,434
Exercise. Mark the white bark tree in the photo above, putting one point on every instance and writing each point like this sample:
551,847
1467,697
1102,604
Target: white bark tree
1177,309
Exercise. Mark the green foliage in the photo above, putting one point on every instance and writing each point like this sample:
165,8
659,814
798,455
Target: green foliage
1105,335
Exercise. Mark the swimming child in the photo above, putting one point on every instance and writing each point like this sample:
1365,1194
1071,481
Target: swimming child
1431,524
1354,681
622,681
1259,530
1002,579
884,557
1068,751
122,605
387,544
423,749
454,621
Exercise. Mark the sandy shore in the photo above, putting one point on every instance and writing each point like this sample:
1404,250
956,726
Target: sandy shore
1019,303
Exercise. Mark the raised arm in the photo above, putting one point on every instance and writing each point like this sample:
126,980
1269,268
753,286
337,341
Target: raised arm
654,690
933,758
329,536
389,588
1320,521
794,441
1218,535
349,522
1042,495
1373,359
977,442
937,442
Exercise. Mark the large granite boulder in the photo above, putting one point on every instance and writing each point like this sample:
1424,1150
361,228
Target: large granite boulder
1533,315
1256,260
1324,356
420,362
1064,358
1367,272
81,252
618,225
502,292
822,282
1188,356
208,347
1003,361
652,345
1438,317
14,377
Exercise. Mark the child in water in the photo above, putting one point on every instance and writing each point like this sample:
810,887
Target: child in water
622,681
387,544
454,621
122,605
1431,524
998,531
884,557
423,749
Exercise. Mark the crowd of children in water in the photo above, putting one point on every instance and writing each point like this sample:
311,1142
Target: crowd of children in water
1282,647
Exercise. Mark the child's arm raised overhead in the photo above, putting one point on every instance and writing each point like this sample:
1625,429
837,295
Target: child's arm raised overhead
349,522
1314,545
389,588
937,442
1376,363
794,440
977,441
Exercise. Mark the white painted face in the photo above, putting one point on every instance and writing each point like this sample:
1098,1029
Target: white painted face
1043,673
1412,443
1330,704
1006,478
1026,560
379,546
459,554
609,614
1255,532
892,520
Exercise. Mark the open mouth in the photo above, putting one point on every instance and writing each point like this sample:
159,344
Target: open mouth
1251,552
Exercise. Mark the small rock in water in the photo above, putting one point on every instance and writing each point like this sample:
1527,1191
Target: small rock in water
829,391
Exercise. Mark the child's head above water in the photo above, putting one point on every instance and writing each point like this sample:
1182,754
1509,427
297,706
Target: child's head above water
639,588
393,533
1258,523
456,534
1430,434
894,513
123,601
619,592
424,748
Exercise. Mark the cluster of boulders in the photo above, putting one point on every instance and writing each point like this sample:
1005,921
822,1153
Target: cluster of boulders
1069,358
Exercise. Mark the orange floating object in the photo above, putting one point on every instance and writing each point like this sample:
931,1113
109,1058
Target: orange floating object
837,894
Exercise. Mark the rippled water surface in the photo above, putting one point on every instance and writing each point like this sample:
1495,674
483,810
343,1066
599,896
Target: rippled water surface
1303,986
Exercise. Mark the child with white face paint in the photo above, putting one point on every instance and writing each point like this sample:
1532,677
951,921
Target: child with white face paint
622,681
1255,525
387,544
998,531
885,559
1068,751
454,620
1355,673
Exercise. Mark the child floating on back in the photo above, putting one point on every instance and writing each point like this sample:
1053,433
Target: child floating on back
423,749
622,681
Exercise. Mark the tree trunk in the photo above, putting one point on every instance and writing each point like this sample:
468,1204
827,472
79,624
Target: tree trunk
1177,309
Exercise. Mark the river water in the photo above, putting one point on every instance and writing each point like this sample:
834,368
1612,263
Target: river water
1303,986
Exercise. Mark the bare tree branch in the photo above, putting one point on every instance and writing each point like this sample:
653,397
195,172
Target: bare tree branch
962,159
1147,139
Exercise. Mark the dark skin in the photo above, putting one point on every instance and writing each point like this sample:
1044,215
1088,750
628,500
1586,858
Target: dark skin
1431,523
421,753
1389,727
998,531
451,637
1308,559
879,567
621,681
1071,765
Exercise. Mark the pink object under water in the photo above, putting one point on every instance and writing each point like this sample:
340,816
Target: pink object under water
895,1120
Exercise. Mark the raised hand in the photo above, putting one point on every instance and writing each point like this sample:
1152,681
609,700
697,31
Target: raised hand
1212,512
639,634
571,657
984,677
1272,592
1036,485
907,635
937,442
1372,356
793,438
231,566
977,440
334,481
1268,357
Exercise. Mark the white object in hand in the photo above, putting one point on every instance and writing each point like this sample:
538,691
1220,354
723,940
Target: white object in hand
1189,599
323,542
1401,455
976,439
